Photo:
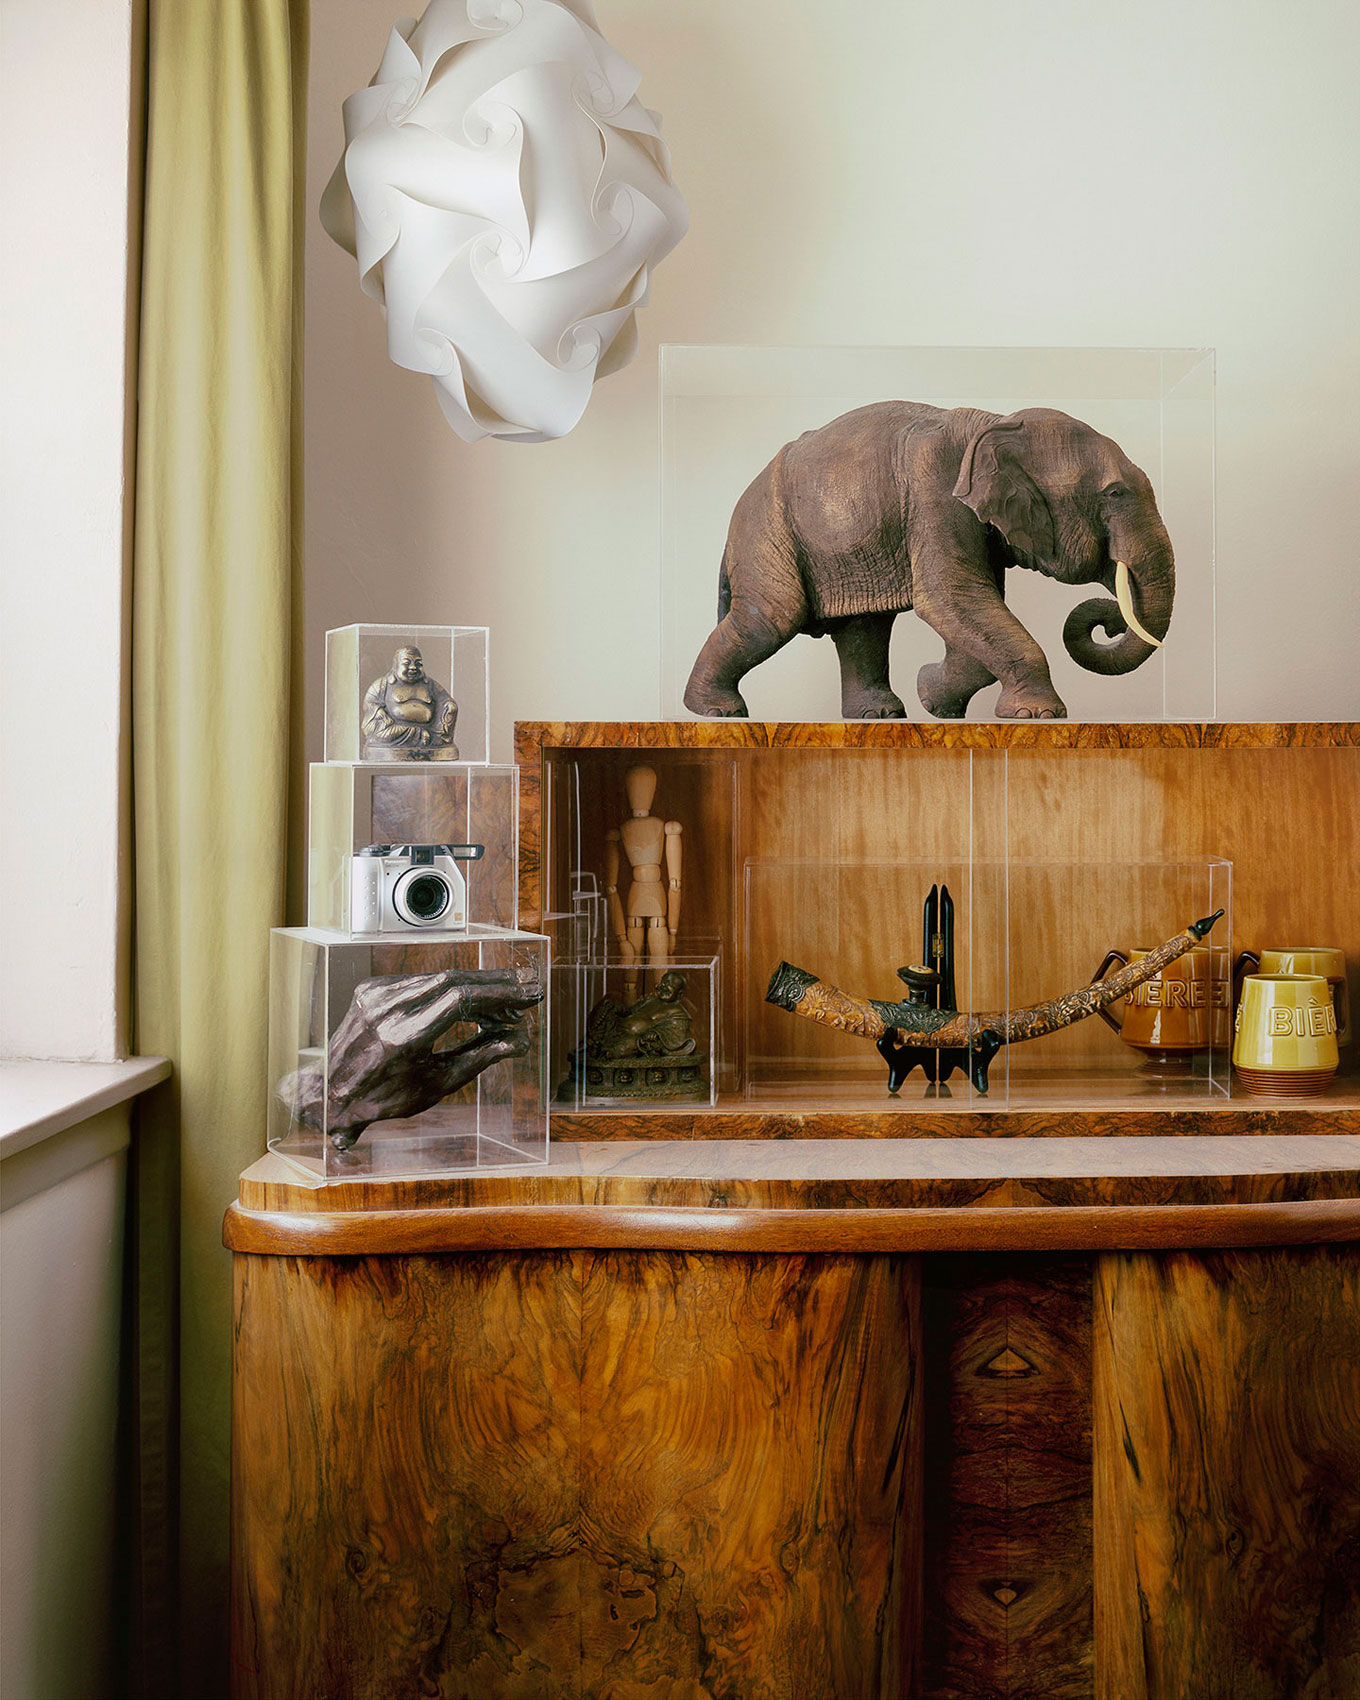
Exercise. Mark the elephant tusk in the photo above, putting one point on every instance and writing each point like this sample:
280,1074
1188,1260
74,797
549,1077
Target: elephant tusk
1124,597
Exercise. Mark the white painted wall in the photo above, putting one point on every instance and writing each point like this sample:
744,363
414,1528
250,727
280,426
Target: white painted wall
65,88
65,105
1166,173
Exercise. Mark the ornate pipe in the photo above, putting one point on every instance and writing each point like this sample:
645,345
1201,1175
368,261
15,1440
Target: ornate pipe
804,994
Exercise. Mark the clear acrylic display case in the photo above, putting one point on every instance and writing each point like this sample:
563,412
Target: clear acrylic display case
851,924
1024,933
333,1066
1056,913
452,657
726,411
584,798
823,858
353,805
629,1034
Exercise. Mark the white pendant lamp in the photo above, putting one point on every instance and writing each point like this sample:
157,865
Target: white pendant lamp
506,196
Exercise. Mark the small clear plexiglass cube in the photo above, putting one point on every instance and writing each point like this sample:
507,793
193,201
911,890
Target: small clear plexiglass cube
635,1033
396,1057
412,695
466,810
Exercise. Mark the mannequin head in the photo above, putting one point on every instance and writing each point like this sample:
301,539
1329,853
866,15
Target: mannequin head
640,784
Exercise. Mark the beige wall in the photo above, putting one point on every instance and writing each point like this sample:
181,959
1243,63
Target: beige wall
64,155
65,146
1166,173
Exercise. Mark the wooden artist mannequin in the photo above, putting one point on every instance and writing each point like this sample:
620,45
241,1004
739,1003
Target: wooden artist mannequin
644,923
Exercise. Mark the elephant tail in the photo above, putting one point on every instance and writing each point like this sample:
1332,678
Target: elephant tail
724,588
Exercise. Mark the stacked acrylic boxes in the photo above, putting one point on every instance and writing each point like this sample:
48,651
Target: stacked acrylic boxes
407,1019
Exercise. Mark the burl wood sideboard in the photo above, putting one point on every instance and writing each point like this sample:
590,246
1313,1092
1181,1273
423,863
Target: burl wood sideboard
810,1394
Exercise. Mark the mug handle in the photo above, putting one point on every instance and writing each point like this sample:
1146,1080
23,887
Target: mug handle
1240,970
1111,958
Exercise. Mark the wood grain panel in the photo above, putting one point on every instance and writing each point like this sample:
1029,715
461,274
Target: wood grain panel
405,1478
532,736
420,805
497,874
1008,1518
750,1470
1227,1476
527,1478
839,850
533,853
439,804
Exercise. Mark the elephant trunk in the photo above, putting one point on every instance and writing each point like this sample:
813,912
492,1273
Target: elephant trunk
1137,620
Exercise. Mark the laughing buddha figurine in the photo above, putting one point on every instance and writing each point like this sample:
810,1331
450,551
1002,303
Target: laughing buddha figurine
407,716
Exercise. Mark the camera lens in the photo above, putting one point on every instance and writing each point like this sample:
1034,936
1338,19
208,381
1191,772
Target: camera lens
421,897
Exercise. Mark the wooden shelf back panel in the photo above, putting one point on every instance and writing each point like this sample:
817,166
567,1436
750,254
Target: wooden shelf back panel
816,844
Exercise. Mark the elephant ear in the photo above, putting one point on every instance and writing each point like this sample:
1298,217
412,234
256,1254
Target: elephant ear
993,482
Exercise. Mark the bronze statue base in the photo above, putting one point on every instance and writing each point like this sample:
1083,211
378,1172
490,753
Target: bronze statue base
397,752
641,1049
634,1078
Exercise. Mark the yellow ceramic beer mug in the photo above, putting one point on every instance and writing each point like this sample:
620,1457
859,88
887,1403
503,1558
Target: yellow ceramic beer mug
1309,959
1184,1009
1286,1035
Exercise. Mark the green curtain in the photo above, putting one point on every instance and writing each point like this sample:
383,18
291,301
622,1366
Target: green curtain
216,694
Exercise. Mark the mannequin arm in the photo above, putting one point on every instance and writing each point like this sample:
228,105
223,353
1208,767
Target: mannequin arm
674,858
613,862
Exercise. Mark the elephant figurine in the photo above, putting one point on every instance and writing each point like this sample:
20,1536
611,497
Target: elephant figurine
902,505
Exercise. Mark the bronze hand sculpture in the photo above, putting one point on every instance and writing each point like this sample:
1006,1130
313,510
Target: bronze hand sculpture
382,1060
916,1023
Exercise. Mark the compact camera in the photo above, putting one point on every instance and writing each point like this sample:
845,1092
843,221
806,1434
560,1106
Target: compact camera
395,887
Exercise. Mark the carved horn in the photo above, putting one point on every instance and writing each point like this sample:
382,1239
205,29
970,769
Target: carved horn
804,994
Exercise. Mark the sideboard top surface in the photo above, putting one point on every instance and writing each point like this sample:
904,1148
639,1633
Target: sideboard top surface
533,735
631,1170
827,1195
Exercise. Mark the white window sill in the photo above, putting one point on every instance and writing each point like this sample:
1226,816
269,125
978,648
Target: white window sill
40,1099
